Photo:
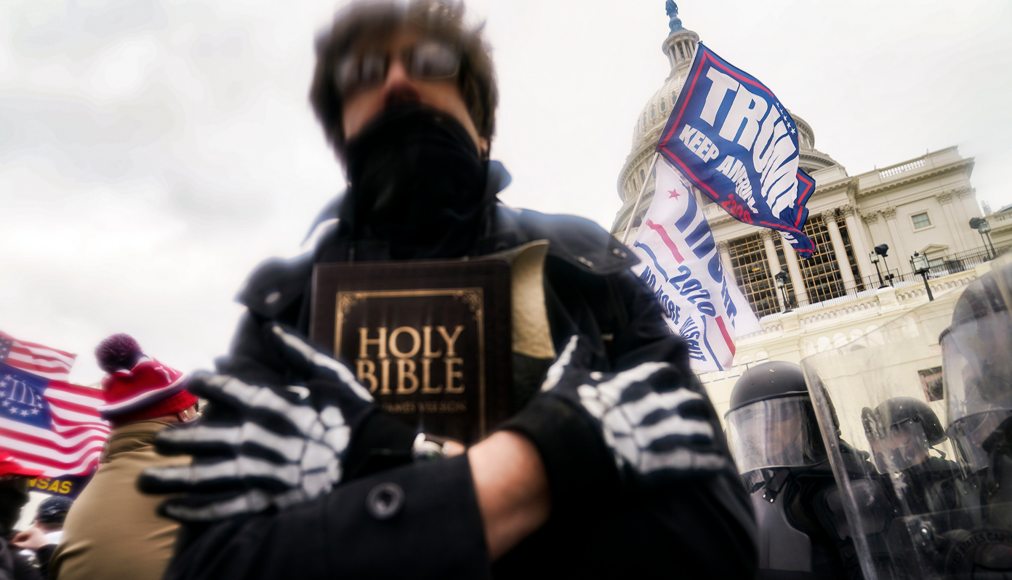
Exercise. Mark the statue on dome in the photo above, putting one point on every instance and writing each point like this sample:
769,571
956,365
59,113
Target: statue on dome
674,23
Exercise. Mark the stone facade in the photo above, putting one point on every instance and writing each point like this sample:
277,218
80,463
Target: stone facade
918,205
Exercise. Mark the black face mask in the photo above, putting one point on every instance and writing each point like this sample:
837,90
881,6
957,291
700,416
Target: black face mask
417,185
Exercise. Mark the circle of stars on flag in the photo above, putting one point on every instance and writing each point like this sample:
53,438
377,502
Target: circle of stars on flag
22,404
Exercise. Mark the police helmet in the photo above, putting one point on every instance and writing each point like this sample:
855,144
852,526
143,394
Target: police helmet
977,366
769,380
898,411
771,422
53,510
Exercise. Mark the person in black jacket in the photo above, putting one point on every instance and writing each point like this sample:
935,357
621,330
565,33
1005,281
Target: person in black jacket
775,436
612,466
902,433
46,531
13,496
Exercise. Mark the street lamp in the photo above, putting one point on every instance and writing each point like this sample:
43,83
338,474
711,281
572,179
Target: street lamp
781,278
984,229
919,264
882,250
874,260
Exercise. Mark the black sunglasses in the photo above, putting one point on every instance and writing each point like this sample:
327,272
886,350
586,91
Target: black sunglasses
426,61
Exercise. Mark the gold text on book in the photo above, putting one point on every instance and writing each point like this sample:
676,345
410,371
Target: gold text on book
405,359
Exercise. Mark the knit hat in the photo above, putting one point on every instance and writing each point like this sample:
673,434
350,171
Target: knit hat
9,467
53,510
138,387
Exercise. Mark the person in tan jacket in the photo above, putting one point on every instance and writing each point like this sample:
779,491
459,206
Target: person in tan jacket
112,530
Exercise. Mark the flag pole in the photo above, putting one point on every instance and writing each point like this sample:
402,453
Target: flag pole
646,179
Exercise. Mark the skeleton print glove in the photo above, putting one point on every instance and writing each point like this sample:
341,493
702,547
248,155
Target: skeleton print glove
645,421
262,446
650,421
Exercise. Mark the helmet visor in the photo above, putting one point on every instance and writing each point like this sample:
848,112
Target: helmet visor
774,433
899,446
977,366
969,434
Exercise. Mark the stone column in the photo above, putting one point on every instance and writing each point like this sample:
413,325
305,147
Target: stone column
794,269
959,213
859,241
898,254
773,261
966,238
878,236
950,222
968,205
839,250
725,260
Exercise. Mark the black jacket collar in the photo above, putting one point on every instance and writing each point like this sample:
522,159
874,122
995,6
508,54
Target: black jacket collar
277,282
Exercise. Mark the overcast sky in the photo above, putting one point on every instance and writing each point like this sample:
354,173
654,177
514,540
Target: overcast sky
153,151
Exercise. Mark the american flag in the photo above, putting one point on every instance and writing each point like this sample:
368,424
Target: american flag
35,358
47,425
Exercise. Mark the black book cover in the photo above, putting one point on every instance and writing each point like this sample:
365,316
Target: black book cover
430,340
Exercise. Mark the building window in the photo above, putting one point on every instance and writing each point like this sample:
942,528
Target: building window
751,270
931,382
920,220
820,272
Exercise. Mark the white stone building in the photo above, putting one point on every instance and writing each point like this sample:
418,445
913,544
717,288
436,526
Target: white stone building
920,205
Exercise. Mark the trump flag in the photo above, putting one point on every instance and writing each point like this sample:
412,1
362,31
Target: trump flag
680,263
734,140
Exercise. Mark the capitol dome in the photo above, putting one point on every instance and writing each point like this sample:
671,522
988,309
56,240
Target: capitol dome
680,48
812,159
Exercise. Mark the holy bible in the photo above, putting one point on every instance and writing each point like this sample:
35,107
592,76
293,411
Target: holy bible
430,340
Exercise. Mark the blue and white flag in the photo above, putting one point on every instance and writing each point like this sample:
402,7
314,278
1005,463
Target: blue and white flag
731,137
680,263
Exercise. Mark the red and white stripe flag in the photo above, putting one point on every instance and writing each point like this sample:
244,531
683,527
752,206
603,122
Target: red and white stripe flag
35,358
49,426
680,263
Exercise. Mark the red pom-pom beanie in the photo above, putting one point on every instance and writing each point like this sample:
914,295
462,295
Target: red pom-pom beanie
145,390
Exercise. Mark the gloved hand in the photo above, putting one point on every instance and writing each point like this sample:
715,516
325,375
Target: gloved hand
652,423
645,421
262,446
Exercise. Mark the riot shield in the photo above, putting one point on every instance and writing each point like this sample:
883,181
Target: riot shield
908,455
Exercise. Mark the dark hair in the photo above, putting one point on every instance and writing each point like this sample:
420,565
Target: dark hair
437,19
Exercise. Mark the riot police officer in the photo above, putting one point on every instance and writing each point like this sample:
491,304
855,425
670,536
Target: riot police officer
903,433
977,380
775,439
